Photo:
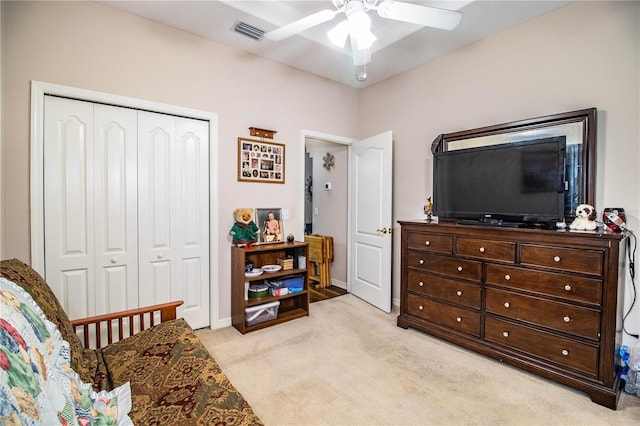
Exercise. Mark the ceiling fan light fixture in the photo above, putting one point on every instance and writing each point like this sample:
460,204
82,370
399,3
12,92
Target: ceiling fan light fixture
364,39
338,34
359,25
358,19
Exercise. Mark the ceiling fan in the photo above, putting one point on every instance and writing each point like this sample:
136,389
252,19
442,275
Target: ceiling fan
357,24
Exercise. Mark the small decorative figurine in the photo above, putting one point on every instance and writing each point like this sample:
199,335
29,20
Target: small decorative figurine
428,209
585,218
290,238
244,231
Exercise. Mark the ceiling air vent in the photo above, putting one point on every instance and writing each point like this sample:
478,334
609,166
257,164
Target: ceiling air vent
248,30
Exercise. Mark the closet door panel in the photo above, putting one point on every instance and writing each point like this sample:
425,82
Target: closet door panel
75,292
192,217
116,212
68,203
157,186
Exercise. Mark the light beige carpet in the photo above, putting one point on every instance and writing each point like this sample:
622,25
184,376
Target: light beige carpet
349,364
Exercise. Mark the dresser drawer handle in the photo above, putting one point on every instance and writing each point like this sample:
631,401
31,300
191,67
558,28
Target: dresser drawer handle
481,249
567,319
459,292
556,259
421,284
505,333
567,287
459,319
114,260
507,304
427,243
422,261
459,268
421,307
565,352
507,277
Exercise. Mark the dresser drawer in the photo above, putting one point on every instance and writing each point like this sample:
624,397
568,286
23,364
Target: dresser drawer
456,318
564,351
584,261
454,291
484,249
569,287
430,242
559,316
457,268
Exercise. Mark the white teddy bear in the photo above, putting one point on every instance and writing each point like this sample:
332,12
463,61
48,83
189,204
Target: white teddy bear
585,218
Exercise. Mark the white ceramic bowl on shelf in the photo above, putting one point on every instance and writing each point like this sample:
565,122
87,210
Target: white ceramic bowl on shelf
254,273
271,268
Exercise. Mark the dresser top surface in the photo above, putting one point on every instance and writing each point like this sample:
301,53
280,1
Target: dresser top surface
507,232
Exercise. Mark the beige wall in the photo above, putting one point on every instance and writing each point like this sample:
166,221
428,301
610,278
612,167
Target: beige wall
583,55
91,46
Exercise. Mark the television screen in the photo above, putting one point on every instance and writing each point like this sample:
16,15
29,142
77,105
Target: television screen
521,181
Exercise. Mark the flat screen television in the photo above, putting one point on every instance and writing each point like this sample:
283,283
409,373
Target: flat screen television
512,184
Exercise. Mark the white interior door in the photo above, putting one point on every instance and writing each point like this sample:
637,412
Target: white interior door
173,190
90,206
370,194
115,208
193,236
84,191
157,202
68,204
126,209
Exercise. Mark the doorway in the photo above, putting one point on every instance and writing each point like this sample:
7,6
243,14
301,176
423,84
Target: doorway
325,196
326,200
367,182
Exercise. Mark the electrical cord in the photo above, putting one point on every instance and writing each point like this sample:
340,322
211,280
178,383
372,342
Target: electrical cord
631,254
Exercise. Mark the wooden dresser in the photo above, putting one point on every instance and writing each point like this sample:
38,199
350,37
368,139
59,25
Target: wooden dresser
542,300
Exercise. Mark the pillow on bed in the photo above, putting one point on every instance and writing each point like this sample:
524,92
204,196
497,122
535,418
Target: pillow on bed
37,384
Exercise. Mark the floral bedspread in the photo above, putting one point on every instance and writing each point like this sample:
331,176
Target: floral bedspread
37,385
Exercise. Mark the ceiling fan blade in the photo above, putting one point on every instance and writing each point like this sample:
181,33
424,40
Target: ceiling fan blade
300,25
421,15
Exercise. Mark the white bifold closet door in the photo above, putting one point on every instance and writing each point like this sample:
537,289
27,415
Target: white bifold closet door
173,210
126,209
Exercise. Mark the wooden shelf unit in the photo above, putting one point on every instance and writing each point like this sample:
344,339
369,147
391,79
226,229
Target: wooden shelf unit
292,306
541,300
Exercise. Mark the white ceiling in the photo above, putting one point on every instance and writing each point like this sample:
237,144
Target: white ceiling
400,46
